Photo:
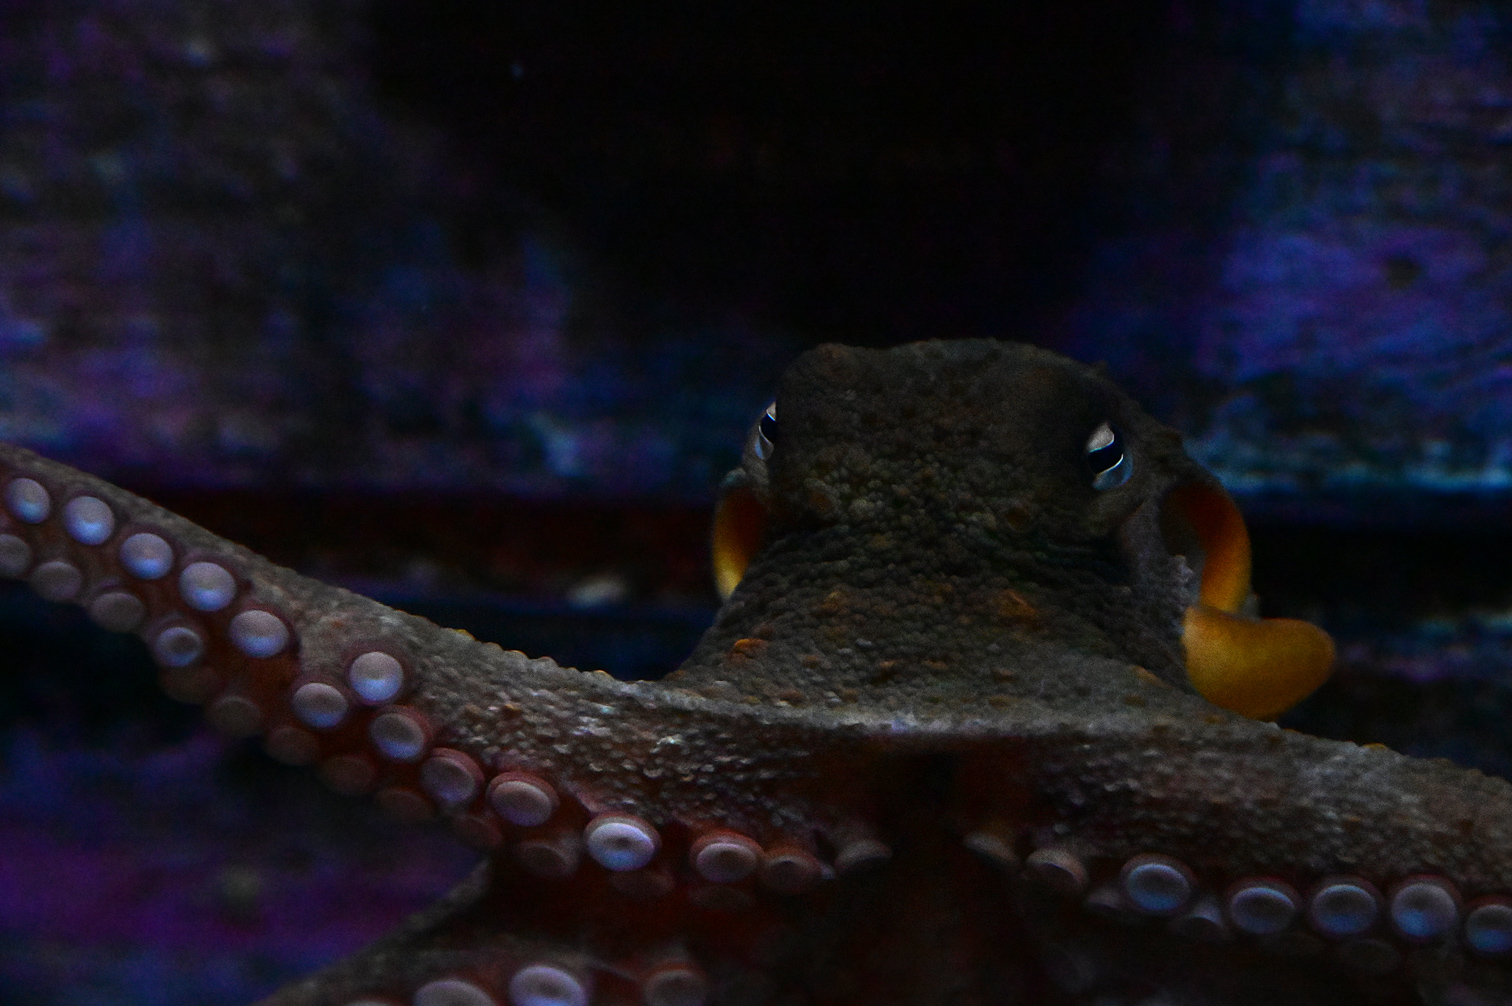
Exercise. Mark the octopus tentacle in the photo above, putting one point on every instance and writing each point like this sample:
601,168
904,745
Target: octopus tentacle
428,720
1211,831
626,952
431,961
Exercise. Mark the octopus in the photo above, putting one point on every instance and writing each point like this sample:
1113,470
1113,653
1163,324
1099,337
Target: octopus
985,718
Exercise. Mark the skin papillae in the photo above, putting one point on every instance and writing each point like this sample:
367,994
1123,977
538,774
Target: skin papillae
940,745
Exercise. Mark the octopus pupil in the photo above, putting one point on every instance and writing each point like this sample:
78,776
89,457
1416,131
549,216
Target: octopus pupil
769,424
766,432
1106,458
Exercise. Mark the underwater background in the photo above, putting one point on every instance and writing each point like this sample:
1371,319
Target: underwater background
468,306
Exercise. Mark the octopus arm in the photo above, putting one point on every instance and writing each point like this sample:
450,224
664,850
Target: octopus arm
1351,862
608,793
428,719
1241,797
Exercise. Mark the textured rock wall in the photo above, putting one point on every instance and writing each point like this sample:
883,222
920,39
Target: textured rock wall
221,262
1344,323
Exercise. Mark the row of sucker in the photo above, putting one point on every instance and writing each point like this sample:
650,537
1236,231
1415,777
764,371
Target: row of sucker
1367,928
674,982
549,844
217,645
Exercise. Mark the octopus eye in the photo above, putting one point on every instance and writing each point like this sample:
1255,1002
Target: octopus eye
766,432
1106,459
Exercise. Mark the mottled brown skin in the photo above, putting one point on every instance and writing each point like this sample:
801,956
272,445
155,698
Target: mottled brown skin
933,501
949,633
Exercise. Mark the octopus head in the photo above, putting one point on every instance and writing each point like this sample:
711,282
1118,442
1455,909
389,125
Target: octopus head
1007,451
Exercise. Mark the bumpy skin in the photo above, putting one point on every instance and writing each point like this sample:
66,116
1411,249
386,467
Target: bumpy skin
951,657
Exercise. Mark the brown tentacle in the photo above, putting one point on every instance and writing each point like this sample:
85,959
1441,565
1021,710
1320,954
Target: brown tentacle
412,949
427,719
1390,872
456,952
506,936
